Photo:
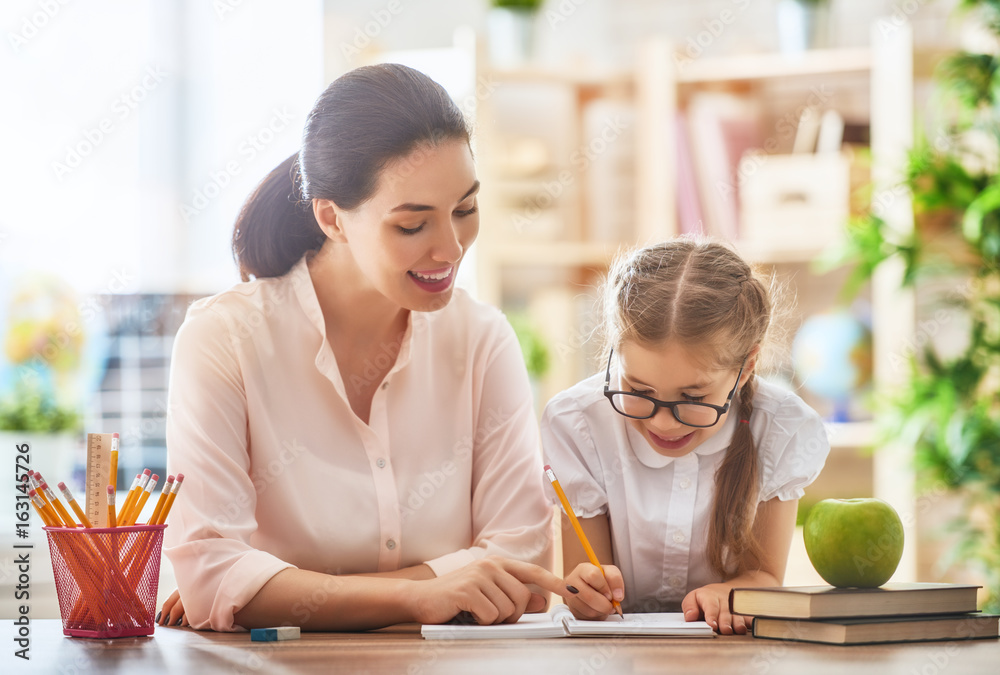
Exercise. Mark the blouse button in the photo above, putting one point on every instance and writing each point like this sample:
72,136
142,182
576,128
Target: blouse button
675,581
678,537
380,463
685,483
391,544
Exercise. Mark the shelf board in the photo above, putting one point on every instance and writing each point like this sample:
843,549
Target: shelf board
574,78
851,434
766,66
557,253
759,252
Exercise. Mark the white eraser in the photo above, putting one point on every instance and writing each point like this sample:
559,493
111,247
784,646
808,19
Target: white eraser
274,634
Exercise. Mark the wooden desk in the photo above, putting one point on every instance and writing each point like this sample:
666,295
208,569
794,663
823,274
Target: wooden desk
181,650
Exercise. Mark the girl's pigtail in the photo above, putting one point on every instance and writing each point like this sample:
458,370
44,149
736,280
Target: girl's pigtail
730,535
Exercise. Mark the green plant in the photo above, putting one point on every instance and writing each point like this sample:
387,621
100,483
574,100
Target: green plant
522,5
533,348
948,409
28,409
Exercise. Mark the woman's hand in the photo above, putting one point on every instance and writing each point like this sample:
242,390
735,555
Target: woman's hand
592,591
172,613
712,603
492,590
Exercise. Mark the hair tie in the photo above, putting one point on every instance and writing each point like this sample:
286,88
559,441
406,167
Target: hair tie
745,421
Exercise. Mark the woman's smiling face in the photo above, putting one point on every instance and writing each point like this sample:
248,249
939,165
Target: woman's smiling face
672,372
409,239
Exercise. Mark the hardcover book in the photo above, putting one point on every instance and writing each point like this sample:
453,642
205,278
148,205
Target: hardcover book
880,629
817,602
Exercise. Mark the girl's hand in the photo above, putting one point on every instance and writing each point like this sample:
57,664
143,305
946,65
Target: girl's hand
492,590
172,613
712,603
594,591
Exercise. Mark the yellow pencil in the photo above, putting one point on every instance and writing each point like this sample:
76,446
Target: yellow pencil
37,480
576,527
170,499
73,505
55,503
36,501
163,498
114,461
112,520
137,484
137,509
49,511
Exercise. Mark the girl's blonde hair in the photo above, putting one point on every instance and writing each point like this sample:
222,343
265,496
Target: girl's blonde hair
704,296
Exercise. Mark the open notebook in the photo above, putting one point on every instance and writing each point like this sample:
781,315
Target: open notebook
561,623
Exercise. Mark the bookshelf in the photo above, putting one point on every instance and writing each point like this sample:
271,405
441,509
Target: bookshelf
551,274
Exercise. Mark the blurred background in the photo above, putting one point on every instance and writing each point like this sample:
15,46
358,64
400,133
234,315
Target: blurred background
134,130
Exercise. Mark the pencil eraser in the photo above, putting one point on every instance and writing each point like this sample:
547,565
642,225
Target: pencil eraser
275,634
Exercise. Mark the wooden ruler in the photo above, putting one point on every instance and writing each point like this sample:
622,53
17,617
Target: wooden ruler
98,478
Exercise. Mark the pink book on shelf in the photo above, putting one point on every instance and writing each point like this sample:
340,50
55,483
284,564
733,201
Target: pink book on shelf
689,216
723,127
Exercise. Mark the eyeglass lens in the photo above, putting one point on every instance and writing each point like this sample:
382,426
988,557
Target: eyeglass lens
686,413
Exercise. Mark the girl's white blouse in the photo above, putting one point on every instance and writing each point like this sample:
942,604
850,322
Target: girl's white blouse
659,507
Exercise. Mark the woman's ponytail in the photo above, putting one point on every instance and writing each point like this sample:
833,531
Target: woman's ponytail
275,227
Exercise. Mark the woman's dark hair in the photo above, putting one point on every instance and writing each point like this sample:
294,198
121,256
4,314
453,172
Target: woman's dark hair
365,119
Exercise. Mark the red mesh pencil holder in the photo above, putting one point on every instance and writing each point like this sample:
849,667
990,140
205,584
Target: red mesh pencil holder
106,578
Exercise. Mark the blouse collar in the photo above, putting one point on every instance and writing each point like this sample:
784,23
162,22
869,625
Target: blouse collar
654,460
302,285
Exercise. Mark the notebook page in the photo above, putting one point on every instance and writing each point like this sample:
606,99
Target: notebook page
661,624
528,626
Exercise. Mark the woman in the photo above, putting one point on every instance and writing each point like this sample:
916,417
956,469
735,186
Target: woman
357,436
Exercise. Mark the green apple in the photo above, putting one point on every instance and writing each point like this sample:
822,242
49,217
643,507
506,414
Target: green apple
854,542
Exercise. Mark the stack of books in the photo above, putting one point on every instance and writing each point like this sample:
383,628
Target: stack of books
894,612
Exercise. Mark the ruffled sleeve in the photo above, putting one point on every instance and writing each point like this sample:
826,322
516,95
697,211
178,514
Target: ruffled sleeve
793,450
569,448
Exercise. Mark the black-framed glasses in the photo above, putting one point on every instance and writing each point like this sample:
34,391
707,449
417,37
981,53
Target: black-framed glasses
688,413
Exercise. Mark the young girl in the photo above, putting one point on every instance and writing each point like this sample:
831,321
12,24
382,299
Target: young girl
684,468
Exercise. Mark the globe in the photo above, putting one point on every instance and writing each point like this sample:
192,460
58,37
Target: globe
51,338
832,356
